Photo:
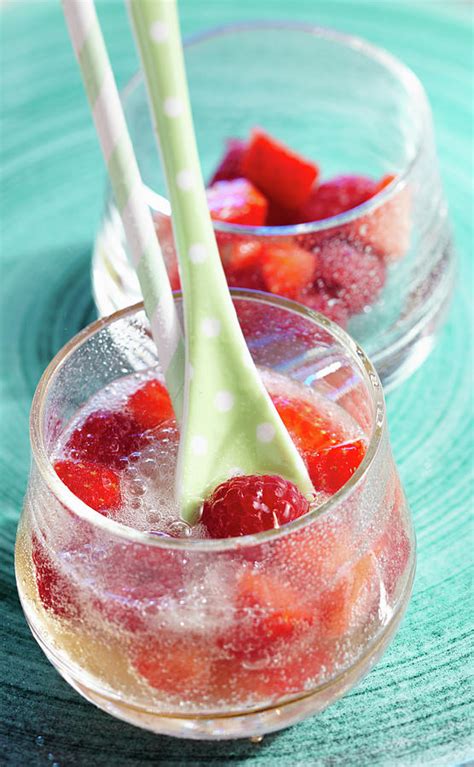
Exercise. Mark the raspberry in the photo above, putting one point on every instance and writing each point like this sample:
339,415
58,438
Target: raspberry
237,202
306,426
336,196
333,466
357,276
151,405
322,300
282,175
107,438
230,166
95,485
287,269
54,589
251,504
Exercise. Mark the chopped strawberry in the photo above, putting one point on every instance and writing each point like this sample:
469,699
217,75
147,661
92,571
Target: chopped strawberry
278,216
237,202
151,405
239,252
287,269
54,588
336,196
230,166
387,229
393,547
349,600
282,175
107,438
250,504
267,612
176,667
307,427
321,300
357,275
331,467
97,486
250,277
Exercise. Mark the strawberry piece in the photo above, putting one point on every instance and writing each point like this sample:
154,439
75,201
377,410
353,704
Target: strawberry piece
175,668
283,176
307,427
55,591
356,275
107,438
387,229
321,300
267,612
95,485
249,277
393,547
331,467
340,608
230,166
237,202
250,504
239,252
287,269
151,405
336,196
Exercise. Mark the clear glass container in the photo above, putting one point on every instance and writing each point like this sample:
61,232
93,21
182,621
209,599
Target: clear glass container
238,637
352,108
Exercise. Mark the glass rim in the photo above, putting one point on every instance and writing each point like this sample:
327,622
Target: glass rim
72,503
382,57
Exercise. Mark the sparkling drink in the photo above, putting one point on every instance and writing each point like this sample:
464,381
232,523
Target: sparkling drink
166,627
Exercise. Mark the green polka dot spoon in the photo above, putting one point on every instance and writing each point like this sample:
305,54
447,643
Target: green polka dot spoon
229,422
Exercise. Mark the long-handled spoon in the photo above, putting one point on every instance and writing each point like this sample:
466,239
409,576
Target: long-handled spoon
229,422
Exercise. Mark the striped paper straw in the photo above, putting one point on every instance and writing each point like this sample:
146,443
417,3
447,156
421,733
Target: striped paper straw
89,46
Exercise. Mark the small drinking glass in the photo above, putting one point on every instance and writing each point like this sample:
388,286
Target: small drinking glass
229,638
353,109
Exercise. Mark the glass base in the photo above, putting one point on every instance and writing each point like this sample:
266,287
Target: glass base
251,724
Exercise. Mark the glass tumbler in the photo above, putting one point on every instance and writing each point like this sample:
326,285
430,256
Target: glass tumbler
229,638
353,109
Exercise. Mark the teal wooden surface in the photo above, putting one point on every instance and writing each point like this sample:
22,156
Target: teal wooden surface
416,707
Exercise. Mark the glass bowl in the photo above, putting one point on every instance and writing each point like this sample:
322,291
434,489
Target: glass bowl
352,108
215,639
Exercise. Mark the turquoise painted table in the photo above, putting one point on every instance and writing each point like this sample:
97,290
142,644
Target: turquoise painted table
414,707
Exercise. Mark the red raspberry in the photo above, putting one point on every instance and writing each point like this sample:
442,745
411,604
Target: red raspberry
54,589
107,438
320,299
357,276
251,504
95,485
230,166
151,405
287,269
237,202
333,466
282,175
336,196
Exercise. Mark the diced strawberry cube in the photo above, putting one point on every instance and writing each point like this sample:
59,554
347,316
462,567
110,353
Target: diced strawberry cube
332,466
176,667
230,166
237,202
151,405
282,175
307,427
239,252
287,269
97,486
